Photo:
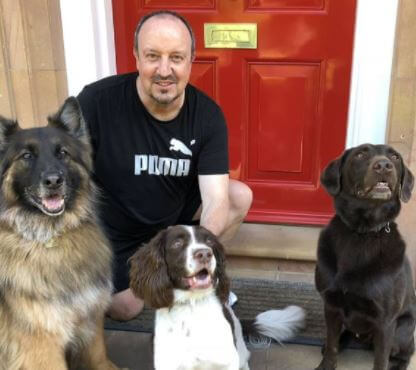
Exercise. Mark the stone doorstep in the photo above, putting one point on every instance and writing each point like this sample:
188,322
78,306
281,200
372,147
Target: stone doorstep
273,252
294,243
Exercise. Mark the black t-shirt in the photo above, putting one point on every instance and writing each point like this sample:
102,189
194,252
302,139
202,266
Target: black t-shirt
143,166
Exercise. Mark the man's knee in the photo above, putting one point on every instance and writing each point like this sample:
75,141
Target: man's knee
125,306
241,197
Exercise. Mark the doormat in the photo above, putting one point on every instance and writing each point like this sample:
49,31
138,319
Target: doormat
255,296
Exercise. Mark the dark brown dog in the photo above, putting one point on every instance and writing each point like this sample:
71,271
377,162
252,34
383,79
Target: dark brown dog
362,273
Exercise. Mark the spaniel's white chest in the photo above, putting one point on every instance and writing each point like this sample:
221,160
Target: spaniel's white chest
194,337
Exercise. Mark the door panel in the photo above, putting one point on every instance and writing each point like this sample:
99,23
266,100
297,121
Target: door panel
285,102
286,4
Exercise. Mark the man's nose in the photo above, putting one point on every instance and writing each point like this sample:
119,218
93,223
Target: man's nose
164,67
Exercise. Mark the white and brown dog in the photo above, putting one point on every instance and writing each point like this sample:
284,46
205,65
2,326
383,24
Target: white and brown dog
181,273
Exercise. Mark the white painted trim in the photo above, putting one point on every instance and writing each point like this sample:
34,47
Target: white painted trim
90,55
88,40
371,73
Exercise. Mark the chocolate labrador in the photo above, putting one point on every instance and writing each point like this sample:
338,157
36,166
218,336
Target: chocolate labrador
362,273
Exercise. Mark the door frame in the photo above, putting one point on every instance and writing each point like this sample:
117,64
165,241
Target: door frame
90,55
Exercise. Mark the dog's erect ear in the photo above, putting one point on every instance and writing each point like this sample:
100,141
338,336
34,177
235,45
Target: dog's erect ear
331,177
149,277
406,185
69,118
223,282
7,128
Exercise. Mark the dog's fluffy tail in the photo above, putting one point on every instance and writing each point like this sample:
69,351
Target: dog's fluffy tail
279,325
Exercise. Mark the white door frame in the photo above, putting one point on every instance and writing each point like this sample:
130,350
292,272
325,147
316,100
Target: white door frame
90,55
371,72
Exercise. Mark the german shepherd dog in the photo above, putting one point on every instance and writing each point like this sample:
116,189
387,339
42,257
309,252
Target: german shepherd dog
362,273
55,263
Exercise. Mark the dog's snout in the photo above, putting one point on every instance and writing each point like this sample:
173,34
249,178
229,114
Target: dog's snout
53,180
203,255
383,166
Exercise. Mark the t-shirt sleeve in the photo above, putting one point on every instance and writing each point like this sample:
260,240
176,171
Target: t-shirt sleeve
87,102
213,158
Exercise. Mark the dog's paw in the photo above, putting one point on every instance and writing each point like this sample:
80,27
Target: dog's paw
326,365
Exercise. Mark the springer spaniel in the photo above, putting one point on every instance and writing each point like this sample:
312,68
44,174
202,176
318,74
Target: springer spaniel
181,273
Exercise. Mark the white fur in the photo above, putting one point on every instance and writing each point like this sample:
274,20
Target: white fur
191,264
280,324
194,336
194,333
243,352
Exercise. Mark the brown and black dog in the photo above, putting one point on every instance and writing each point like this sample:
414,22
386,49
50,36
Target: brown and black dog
362,273
55,263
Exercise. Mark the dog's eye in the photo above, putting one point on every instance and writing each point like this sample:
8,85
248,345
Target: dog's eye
359,155
209,242
27,155
394,157
62,153
177,243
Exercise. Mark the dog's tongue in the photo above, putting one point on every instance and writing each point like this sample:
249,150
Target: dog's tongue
199,281
53,203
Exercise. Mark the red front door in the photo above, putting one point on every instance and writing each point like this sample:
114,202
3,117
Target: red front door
286,101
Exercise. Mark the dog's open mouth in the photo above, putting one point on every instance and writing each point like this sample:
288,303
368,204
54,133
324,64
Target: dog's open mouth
201,280
381,190
51,205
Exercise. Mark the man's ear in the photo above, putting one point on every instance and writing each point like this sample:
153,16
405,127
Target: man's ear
136,57
331,176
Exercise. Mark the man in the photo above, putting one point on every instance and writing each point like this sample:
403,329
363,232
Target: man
160,150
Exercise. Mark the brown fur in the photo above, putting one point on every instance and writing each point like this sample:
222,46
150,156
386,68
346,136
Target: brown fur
362,272
157,268
55,271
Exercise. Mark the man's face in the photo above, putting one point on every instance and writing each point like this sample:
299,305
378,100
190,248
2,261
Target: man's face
164,59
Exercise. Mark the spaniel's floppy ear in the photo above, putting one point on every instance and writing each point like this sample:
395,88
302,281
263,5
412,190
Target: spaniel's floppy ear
331,177
149,277
406,184
223,282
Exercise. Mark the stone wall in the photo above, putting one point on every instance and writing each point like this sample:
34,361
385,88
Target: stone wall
402,115
32,64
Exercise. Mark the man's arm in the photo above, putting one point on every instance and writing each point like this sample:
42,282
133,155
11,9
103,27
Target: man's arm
215,202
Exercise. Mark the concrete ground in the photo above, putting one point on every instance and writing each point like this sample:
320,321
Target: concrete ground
133,350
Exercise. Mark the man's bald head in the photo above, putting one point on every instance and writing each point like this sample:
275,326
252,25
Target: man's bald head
161,14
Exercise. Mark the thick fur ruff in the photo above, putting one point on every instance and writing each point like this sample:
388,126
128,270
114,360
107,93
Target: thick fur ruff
55,263
181,273
362,273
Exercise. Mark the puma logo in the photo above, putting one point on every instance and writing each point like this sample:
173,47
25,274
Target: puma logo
178,145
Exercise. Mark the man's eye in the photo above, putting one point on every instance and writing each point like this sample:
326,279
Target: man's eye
177,58
151,56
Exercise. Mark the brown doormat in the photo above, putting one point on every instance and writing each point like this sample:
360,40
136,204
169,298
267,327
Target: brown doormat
255,296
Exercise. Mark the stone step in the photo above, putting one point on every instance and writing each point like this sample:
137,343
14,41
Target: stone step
297,243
